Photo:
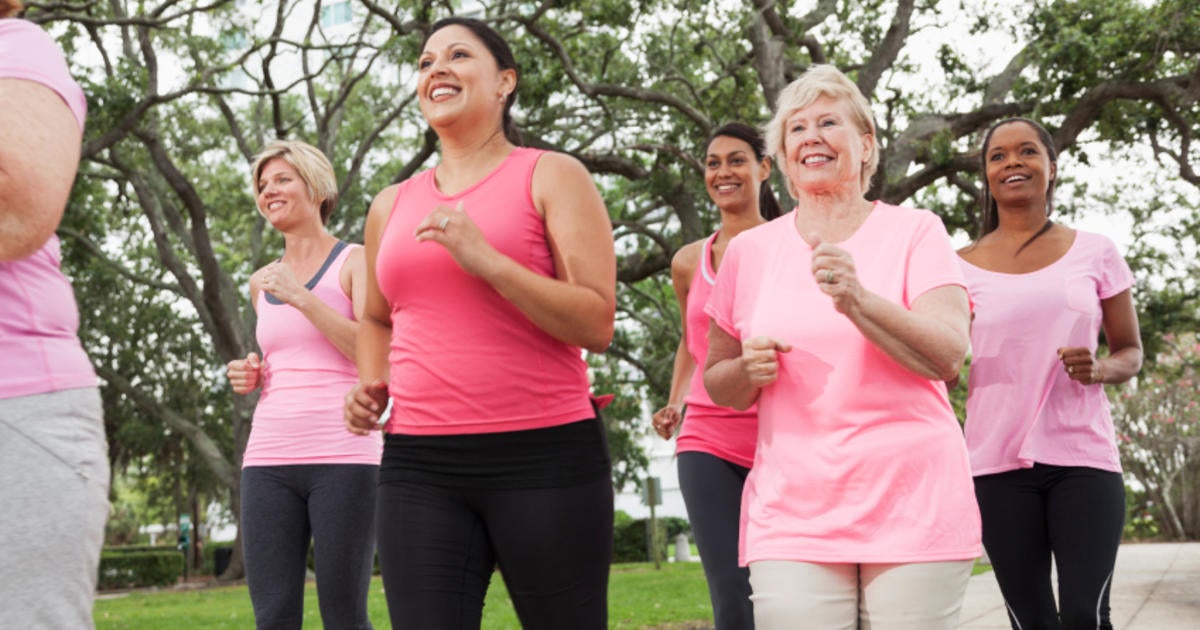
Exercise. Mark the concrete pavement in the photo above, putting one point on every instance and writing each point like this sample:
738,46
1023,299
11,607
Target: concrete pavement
1156,587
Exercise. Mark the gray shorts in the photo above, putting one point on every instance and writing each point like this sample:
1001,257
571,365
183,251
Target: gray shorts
53,504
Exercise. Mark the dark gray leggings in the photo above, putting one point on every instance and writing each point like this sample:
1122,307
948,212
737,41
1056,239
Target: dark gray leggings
1073,513
283,508
712,491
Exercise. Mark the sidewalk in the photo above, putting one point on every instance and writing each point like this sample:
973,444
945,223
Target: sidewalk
1156,587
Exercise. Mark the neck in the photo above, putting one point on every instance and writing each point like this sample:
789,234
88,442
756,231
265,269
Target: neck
306,244
1021,220
833,205
472,147
736,222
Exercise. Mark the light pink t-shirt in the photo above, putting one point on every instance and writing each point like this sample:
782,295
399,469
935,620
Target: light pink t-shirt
1021,406
305,378
708,427
39,320
859,459
463,358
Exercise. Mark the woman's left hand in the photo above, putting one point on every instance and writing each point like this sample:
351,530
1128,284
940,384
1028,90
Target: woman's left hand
454,230
1081,365
833,269
278,280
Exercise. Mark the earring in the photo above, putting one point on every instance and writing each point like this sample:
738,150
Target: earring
503,97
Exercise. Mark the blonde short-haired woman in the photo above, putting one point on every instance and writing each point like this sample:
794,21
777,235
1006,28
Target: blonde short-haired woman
303,475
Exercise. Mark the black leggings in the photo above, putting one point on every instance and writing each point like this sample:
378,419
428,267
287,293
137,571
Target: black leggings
438,547
712,491
283,507
1073,512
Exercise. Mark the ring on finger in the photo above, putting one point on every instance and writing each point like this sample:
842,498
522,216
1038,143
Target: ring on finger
442,225
1070,369
829,276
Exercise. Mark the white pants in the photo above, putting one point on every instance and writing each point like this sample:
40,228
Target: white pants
916,596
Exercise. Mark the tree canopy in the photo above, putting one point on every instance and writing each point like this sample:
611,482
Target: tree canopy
161,234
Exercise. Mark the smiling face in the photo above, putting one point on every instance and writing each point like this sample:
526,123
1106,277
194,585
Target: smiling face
1020,170
824,148
283,197
733,175
458,76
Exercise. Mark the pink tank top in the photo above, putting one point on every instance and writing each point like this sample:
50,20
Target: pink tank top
40,350
464,359
708,427
304,383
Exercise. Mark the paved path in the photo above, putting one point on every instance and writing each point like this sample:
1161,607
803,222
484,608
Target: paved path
1156,587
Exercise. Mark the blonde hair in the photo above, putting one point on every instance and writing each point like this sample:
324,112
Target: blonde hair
816,82
9,8
310,163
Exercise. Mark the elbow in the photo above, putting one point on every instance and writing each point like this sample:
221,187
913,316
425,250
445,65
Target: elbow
949,371
599,342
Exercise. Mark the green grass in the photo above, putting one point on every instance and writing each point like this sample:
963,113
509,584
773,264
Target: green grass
639,597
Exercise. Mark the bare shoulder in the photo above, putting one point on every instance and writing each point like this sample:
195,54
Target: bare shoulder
687,258
383,202
555,164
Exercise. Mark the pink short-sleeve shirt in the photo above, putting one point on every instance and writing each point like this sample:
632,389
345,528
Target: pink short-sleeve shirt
858,458
1022,407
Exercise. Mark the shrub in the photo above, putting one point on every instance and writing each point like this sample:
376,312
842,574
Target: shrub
139,568
629,538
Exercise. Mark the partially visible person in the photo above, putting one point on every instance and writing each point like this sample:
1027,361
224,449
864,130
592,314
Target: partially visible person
841,320
1041,438
715,447
304,477
53,456
487,274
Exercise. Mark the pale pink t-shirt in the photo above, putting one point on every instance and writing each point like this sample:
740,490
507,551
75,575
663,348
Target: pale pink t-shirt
708,427
39,320
463,358
859,460
305,378
1021,405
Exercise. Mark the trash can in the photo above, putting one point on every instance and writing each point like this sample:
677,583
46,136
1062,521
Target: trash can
221,557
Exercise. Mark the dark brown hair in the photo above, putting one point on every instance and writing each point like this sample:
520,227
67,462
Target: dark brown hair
989,220
500,51
9,8
768,204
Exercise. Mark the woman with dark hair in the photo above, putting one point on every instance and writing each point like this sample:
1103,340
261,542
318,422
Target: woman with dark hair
54,474
715,447
1039,431
487,274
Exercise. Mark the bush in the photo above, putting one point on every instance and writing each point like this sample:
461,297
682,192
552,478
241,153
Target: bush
629,538
131,569
140,548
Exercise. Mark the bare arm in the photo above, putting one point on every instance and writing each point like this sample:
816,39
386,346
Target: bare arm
39,154
667,419
576,307
735,372
1124,358
366,401
930,339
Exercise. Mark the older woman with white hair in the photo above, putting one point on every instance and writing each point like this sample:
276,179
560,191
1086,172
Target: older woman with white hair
841,320
304,477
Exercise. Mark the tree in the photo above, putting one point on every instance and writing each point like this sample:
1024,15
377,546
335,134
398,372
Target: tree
1158,422
162,236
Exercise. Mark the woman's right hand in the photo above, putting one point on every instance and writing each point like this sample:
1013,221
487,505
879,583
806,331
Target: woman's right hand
244,374
364,404
666,421
760,359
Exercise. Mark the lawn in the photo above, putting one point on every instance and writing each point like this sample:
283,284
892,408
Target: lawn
639,597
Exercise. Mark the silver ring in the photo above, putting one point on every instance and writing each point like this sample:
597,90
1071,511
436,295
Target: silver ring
829,276
445,221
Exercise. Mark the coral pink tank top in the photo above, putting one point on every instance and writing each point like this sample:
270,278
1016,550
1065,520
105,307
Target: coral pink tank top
304,383
708,427
463,358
